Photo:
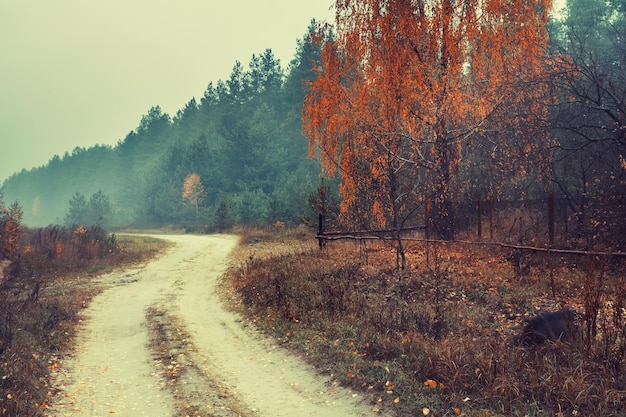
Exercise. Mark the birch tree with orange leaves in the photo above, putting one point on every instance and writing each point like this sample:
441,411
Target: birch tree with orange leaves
406,84
193,190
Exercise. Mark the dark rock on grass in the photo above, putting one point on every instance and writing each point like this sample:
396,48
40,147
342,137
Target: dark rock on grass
549,327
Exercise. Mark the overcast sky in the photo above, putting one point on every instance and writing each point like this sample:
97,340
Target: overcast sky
83,72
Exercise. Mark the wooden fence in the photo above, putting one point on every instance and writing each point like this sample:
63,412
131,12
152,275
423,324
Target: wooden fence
483,210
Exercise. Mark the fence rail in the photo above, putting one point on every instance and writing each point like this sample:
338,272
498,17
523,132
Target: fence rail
361,235
548,225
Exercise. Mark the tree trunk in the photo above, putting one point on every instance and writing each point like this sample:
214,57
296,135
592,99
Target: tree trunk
443,220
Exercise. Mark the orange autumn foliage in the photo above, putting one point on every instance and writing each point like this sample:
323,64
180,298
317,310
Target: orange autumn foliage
10,230
406,84
193,190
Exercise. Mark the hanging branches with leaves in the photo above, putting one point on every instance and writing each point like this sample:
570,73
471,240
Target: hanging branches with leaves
406,85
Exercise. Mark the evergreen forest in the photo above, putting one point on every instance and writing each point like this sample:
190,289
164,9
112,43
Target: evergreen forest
242,142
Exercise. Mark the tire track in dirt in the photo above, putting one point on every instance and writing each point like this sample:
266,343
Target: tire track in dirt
196,392
169,319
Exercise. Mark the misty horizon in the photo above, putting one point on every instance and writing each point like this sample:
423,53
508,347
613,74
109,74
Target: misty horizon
86,78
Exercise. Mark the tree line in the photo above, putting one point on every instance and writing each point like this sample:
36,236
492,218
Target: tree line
241,143
407,107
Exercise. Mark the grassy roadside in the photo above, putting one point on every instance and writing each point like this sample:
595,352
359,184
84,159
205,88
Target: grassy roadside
438,339
41,298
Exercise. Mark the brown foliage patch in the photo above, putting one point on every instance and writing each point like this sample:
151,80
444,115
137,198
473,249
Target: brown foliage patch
41,296
452,319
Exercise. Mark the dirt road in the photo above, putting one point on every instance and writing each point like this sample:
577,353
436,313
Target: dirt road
159,342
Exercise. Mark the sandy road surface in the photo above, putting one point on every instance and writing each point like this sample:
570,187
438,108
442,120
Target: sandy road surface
210,363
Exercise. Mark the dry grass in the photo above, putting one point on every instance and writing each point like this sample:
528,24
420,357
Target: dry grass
41,296
450,322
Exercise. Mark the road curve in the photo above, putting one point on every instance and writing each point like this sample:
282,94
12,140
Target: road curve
210,363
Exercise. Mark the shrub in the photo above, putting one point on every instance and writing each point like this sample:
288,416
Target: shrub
38,310
452,326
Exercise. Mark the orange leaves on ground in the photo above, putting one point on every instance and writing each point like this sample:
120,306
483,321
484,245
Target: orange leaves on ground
433,384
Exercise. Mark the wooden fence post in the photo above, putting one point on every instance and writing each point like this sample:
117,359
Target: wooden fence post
490,203
480,215
320,230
